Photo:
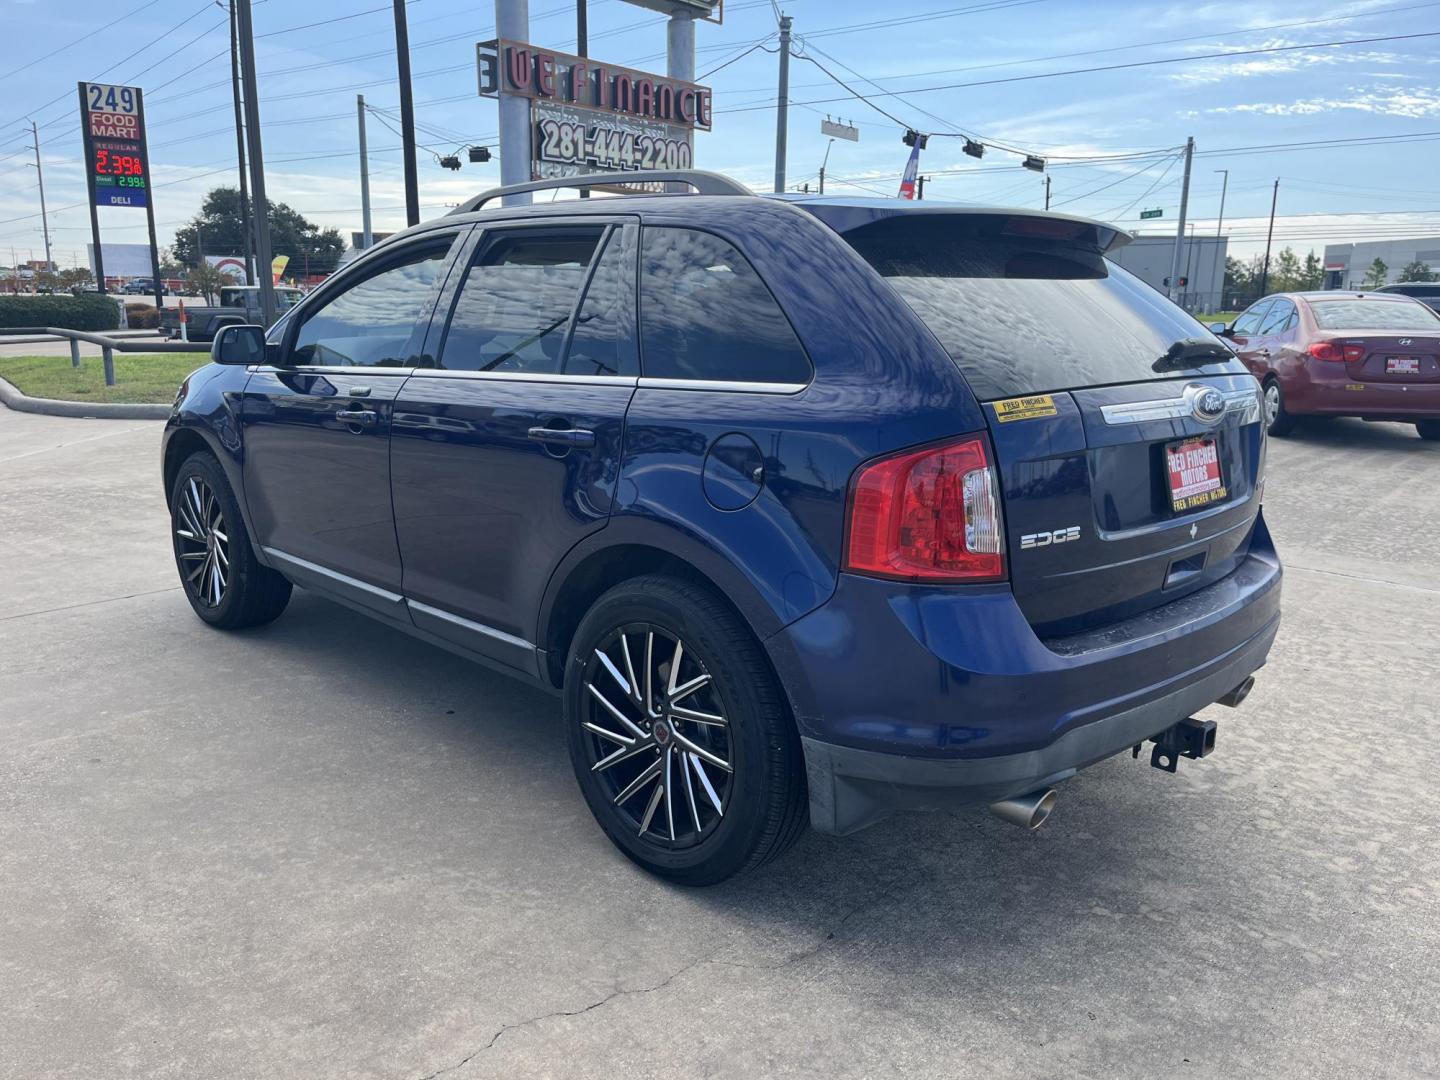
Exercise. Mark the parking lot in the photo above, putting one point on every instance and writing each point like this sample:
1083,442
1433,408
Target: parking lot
324,849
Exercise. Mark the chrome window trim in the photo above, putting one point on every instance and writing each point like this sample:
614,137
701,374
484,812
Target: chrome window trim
318,369
525,376
650,382
1246,402
469,624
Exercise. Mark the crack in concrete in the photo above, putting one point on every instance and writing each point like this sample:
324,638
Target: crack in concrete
883,894
88,603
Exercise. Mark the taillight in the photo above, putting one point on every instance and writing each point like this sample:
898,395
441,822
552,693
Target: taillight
1329,350
928,515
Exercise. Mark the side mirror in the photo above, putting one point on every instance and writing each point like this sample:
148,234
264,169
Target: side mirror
1219,329
239,345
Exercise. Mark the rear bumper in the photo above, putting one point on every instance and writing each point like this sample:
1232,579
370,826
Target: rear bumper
913,698
1320,389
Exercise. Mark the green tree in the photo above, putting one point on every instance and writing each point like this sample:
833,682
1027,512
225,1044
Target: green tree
1285,274
207,280
1377,274
1313,275
218,230
1417,271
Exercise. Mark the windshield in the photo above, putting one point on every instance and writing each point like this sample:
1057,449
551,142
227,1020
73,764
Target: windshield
1027,316
1373,315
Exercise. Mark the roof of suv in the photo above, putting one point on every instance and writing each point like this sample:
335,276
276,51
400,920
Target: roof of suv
842,213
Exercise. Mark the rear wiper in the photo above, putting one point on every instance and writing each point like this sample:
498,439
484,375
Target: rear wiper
1190,351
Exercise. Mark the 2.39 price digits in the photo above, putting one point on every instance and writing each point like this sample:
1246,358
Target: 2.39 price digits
108,164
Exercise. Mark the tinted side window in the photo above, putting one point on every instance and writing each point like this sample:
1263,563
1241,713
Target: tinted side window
602,342
1249,322
515,304
705,314
374,323
1278,317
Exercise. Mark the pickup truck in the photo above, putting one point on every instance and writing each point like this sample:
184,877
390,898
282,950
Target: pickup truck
238,304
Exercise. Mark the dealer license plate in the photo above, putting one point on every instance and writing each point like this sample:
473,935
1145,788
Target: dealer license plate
1402,365
1194,472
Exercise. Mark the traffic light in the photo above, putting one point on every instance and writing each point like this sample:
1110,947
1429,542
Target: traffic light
912,137
974,149
450,161
479,153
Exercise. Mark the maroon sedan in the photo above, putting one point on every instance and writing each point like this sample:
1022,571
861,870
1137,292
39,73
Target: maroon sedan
1371,355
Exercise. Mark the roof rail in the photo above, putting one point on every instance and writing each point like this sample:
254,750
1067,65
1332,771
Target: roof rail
704,183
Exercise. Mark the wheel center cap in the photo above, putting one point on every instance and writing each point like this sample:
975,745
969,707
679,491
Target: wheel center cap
661,731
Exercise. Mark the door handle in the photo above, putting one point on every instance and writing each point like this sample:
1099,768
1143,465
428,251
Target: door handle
359,417
566,437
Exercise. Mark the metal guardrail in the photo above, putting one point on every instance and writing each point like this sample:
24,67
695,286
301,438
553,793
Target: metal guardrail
109,346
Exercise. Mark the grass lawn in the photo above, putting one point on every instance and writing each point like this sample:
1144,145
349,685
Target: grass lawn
1227,317
139,377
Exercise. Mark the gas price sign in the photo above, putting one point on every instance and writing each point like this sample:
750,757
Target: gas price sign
114,132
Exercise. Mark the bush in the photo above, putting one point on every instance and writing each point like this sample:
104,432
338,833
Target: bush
142,316
91,312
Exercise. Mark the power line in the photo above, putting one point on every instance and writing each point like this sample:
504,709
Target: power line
85,37
1234,54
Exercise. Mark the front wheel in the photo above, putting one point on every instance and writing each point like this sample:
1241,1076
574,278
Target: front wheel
1277,420
1428,430
679,733
224,582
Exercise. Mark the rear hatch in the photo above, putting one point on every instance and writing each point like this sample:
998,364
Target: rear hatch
1127,437
1382,340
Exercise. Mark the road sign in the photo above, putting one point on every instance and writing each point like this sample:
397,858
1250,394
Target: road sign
839,130
1151,214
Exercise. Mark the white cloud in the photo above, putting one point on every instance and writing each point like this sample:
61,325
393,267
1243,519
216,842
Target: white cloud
1411,103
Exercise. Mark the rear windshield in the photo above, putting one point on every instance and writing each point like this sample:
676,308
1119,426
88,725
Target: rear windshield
1373,315
1029,315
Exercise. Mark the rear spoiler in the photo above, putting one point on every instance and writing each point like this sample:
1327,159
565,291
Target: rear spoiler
847,215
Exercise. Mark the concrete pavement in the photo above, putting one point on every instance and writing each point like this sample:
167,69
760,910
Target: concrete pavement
324,849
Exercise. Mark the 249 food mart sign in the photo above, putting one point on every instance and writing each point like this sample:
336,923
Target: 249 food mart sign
117,165
594,117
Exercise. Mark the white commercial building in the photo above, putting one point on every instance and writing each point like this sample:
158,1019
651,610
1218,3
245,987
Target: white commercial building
1347,264
1202,266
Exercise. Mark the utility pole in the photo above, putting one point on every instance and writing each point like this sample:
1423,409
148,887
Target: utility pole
246,32
407,115
1174,287
40,174
1047,191
782,114
582,48
367,237
246,225
1269,235
919,188
1224,184
512,22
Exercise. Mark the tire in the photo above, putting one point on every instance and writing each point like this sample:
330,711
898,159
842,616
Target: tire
1278,421
1428,430
705,823
230,590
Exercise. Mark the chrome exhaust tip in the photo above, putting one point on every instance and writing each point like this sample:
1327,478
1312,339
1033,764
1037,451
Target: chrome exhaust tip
1027,811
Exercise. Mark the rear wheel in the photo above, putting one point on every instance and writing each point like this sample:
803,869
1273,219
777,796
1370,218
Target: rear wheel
1277,420
679,733
1428,430
225,584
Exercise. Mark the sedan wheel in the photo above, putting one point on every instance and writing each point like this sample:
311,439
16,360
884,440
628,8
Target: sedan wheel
657,735
202,543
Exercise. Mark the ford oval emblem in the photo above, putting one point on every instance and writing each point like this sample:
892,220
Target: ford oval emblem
1206,403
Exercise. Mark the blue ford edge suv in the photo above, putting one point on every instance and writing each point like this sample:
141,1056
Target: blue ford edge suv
808,508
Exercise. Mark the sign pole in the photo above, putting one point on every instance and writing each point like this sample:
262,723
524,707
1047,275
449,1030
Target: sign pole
150,205
407,115
90,184
512,20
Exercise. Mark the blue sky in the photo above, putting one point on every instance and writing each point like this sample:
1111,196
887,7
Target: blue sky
175,50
